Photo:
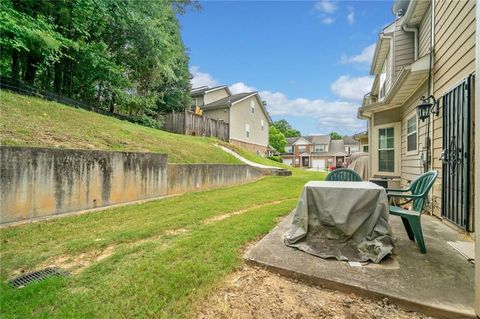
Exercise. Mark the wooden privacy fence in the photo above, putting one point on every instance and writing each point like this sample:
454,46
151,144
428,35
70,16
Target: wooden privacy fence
189,123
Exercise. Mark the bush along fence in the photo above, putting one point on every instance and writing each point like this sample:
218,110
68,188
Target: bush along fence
24,89
189,123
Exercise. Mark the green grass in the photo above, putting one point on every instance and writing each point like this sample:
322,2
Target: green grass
30,121
152,272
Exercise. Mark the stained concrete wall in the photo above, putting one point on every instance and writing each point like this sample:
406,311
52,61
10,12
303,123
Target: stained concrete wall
38,182
41,182
192,177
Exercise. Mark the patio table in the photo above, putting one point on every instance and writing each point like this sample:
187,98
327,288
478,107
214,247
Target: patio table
342,220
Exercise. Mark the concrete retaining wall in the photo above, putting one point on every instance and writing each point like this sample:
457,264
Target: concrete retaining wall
39,182
193,177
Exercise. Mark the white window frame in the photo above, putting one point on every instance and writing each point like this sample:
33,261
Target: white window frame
386,149
252,106
247,130
319,148
289,149
300,151
363,148
415,151
262,125
373,148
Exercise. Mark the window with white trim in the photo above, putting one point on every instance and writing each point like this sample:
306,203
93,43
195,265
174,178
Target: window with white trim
288,149
412,133
319,148
262,125
252,106
365,148
302,148
386,150
247,130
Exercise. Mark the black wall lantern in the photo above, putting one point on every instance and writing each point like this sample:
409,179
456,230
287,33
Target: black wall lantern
426,107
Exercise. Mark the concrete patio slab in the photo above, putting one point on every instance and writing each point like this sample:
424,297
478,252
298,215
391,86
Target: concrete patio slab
439,283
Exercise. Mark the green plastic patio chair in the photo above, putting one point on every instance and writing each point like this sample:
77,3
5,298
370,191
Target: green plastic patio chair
343,175
417,193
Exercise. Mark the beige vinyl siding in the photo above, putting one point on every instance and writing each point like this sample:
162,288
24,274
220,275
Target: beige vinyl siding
404,50
454,60
241,114
424,33
411,163
218,114
215,95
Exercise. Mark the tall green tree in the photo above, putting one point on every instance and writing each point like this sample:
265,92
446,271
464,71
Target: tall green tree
125,56
335,136
285,127
276,139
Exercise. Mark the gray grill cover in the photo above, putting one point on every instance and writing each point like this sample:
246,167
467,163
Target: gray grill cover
342,220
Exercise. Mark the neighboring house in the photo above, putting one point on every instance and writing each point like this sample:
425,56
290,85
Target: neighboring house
319,152
424,52
362,139
244,112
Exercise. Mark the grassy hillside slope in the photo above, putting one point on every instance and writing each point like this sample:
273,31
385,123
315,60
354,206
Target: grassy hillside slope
30,121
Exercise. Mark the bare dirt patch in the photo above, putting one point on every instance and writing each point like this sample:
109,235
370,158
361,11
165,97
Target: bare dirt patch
239,212
252,292
75,264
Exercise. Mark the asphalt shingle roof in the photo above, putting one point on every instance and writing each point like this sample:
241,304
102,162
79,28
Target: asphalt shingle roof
203,89
226,101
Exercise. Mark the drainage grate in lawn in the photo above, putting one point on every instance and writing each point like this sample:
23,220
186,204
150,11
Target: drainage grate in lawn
37,276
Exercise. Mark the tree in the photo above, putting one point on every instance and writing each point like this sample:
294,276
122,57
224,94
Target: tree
335,136
285,127
118,55
276,139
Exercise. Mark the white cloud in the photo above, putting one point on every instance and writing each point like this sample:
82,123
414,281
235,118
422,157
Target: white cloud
201,78
241,87
365,56
351,15
325,6
330,115
328,20
352,88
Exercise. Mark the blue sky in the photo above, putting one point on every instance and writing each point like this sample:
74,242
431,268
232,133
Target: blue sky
308,59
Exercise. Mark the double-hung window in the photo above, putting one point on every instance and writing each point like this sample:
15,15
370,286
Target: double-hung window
412,140
386,150
302,148
262,125
288,149
319,148
252,106
247,130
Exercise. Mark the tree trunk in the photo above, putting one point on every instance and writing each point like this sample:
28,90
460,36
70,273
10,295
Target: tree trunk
31,71
57,80
15,64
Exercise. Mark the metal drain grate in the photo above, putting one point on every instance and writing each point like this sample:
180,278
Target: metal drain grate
37,276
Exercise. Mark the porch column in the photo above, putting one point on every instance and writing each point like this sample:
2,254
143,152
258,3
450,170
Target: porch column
476,166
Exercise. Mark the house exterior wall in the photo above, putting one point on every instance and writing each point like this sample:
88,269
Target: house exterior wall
218,114
403,47
215,95
412,165
241,114
454,31
424,33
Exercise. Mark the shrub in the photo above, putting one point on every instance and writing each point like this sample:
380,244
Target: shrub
275,158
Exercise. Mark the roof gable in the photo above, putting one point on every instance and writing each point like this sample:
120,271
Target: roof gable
302,141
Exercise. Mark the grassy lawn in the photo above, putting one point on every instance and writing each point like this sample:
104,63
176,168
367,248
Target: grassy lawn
158,259
30,121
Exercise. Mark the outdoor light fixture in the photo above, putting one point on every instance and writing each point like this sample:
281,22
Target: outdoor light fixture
427,107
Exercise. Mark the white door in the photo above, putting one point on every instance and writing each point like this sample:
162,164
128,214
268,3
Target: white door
287,161
318,164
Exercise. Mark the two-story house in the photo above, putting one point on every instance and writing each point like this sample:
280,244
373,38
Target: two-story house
425,60
318,152
244,112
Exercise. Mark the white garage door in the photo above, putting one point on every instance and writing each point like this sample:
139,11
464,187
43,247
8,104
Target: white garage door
287,161
318,164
